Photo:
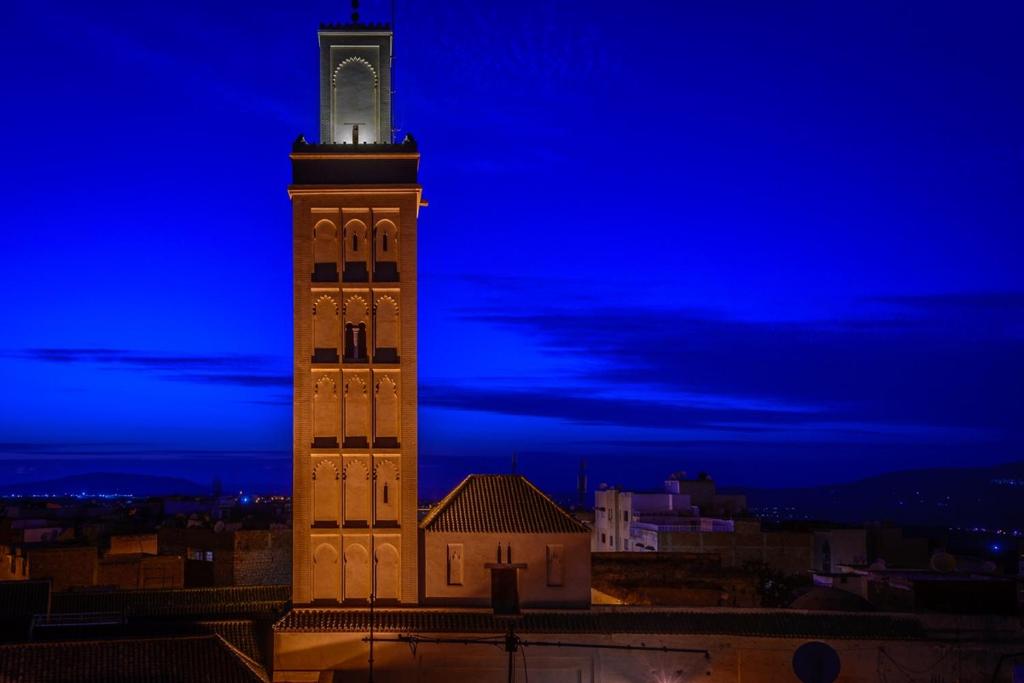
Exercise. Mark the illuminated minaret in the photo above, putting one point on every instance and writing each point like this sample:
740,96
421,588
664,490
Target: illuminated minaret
355,200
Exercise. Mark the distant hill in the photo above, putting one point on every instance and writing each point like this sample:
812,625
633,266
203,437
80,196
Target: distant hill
97,483
991,497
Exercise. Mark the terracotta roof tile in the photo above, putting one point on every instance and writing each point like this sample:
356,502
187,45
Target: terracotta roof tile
500,503
158,660
769,623
233,600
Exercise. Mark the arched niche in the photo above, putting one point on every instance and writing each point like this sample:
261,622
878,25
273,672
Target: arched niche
325,572
388,572
356,333
325,412
354,102
385,248
325,251
387,488
386,329
357,412
326,329
357,492
386,417
357,572
356,248
326,493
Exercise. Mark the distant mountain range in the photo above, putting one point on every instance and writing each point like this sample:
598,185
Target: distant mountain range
107,483
991,497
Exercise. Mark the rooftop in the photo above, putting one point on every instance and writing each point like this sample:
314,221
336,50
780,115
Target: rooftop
500,503
752,622
191,658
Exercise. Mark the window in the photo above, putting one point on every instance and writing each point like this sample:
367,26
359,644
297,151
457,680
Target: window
355,242
384,241
604,538
385,493
209,556
625,516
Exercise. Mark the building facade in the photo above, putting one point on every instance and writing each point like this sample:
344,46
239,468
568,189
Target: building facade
637,521
355,201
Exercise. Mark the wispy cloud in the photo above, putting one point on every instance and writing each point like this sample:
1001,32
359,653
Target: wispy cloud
953,365
226,369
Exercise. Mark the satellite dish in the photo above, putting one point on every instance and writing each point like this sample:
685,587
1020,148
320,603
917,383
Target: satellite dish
816,662
943,562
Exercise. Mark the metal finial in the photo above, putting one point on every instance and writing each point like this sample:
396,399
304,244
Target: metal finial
355,11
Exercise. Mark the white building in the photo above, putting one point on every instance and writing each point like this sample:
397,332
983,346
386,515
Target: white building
630,521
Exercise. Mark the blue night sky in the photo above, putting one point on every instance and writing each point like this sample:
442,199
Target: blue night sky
779,242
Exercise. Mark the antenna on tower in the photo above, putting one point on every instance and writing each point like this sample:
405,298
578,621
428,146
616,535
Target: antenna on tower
355,11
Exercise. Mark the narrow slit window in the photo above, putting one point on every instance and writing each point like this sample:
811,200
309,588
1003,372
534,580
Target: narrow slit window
355,242
384,242
385,493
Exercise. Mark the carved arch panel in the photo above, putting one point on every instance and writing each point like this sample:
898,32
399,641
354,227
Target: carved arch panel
325,572
385,249
357,411
325,251
388,567
326,493
356,479
326,329
387,489
357,571
325,412
356,249
386,329
358,328
386,411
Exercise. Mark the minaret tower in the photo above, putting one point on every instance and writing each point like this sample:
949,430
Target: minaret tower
355,200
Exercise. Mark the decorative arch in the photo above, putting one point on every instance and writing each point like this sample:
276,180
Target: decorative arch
355,248
356,312
357,491
357,412
387,489
325,251
325,572
325,412
350,60
386,417
388,566
357,572
326,487
385,251
386,330
326,329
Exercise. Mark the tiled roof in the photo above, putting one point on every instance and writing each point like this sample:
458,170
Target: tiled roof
500,503
24,598
158,660
240,633
234,600
768,623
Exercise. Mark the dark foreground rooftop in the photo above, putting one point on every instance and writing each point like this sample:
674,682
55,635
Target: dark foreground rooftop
159,660
768,623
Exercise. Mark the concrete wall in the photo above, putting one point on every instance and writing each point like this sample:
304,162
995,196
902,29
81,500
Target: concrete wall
132,544
788,552
131,572
65,567
531,549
